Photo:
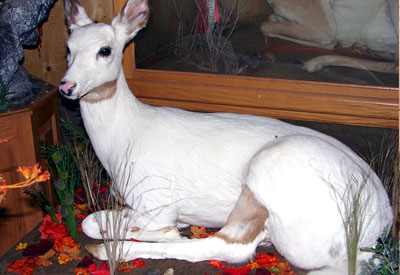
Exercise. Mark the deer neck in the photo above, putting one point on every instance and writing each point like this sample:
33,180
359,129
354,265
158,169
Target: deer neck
112,121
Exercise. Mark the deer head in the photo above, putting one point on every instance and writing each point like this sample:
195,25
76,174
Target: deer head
95,50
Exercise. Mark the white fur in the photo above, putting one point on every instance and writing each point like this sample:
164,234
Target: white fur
189,168
371,24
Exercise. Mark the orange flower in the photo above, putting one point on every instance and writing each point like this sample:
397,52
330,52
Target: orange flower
34,173
63,258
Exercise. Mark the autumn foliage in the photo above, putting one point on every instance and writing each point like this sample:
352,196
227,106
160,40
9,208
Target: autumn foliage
32,174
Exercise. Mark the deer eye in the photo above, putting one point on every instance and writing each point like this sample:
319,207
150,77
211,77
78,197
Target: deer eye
68,51
104,52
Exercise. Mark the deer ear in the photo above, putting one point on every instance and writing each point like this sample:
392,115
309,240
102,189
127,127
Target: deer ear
132,18
75,14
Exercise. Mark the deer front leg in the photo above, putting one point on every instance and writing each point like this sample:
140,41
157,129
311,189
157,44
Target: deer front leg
124,224
297,33
235,242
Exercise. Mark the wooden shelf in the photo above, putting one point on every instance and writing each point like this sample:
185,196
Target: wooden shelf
23,128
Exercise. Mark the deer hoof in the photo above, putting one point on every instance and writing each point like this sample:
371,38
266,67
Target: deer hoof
96,251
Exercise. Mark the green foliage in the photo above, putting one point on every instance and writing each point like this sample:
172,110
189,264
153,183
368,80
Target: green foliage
385,260
65,173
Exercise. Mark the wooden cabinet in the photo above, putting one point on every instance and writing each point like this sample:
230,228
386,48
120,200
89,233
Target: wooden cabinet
23,128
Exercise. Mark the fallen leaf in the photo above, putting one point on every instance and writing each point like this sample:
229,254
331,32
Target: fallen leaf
63,258
53,230
21,246
82,207
217,264
139,263
80,271
44,260
199,232
126,267
80,216
262,271
26,266
285,269
64,244
267,260
38,249
237,271
86,262
253,265
103,269
73,252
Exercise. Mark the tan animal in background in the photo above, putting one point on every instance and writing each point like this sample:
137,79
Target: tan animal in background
369,24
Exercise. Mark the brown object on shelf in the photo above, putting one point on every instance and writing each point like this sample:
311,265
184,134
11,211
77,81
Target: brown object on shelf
23,128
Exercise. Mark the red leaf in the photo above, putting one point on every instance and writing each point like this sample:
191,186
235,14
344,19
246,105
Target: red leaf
217,264
25,266
86,262
237,271
268,260
38,249
139,263
52,230
101,270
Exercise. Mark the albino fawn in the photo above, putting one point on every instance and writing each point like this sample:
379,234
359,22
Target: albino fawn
368,24
260,179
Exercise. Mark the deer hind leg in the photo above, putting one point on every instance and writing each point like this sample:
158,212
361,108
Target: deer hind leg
235,242
304,22
320,62
246,221
113,224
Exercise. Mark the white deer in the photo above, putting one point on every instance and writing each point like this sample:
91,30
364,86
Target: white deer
370,24
260,179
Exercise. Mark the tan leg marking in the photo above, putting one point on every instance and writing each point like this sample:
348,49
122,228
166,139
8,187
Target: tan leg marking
248,214
135,229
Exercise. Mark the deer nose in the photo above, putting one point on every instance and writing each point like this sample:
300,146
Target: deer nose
66,88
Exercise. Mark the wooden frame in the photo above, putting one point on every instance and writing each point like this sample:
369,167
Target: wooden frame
284,99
